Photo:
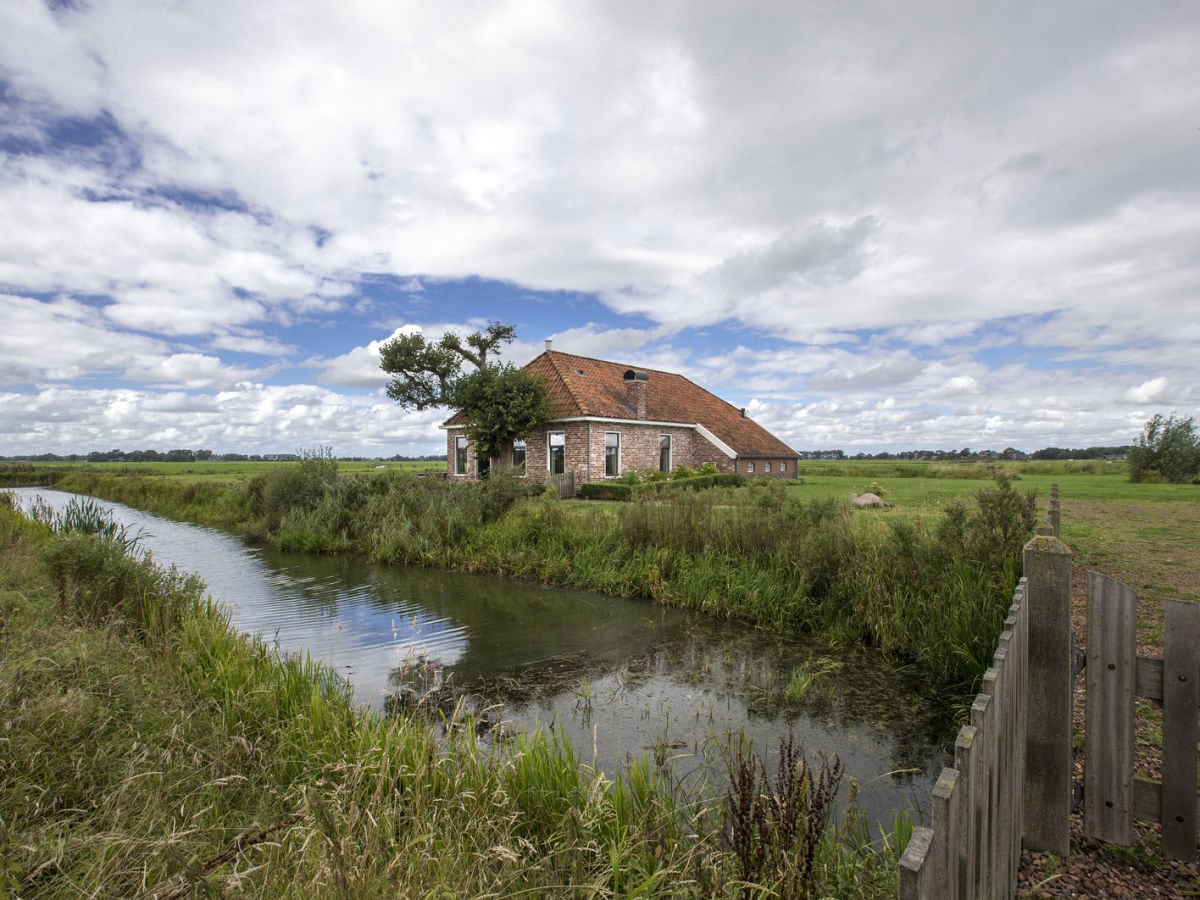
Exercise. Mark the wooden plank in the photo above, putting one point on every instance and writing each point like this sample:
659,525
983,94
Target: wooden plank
995,855
1181,697
944,813
981,791
1020,610
1108,743
1149,681
1001,803
914,873
964,761
1049,689
1148,800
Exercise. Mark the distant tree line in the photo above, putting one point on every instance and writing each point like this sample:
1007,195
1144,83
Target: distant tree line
978,455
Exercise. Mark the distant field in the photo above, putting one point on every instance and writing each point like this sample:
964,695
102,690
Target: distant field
223,471
917,484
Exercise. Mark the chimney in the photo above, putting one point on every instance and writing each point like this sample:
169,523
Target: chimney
635,392
548,344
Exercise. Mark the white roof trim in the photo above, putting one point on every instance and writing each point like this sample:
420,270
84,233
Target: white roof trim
716,441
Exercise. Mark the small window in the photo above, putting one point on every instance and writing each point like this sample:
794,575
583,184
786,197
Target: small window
460,456
557,457
766,468
664,453
612,454
518,458
783,466
749,468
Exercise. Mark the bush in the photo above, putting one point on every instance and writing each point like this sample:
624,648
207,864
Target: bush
1167,450
606,490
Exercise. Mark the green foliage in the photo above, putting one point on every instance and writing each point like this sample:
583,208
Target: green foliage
606,490
501,404
498,403
1167,450
293,488
425,372
660,482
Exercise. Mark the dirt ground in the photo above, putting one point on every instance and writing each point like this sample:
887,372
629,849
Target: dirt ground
1155,550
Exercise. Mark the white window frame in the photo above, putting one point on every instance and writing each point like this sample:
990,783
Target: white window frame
617,447
550,445
460,462
670,448
524,448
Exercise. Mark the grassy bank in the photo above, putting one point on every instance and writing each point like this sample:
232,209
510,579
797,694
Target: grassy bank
147,749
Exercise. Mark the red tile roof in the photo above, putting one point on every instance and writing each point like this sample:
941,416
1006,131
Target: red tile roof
580,386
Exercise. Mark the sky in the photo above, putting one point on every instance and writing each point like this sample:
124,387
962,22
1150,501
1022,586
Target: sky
878,226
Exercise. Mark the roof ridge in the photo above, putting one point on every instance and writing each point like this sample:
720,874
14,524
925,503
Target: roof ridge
619,365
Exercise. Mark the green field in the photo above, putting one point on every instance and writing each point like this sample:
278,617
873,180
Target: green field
217,470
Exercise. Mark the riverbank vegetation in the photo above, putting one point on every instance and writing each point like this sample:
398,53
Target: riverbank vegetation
149,750
928,586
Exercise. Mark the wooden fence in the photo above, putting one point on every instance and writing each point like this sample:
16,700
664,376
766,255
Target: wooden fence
1011,785
563,483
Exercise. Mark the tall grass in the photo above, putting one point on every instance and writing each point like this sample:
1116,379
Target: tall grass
193,761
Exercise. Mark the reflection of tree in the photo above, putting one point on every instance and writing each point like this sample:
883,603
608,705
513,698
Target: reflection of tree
520,644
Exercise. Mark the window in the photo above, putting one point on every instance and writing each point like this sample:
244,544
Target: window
557,457
612,454
766,468
783,466
460,456
749,468
664,453
518,458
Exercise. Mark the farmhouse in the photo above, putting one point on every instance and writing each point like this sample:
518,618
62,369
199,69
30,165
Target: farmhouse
611,418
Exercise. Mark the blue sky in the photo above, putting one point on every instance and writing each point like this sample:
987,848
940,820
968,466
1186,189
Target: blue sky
876,226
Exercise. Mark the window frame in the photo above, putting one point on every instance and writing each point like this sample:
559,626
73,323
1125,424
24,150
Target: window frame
523,448
551,446
614,470
460,455
665,443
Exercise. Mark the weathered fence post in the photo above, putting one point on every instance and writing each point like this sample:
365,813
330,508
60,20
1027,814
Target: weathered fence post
1048,745
1054,511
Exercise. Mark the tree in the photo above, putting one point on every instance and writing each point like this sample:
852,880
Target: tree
500,403
1167,449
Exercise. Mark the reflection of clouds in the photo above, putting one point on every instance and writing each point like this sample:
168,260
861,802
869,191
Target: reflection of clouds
653,673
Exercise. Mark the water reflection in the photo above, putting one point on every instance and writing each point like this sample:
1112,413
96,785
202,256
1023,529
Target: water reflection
620,677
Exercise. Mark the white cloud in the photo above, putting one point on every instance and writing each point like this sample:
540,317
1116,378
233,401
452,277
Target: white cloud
867,205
